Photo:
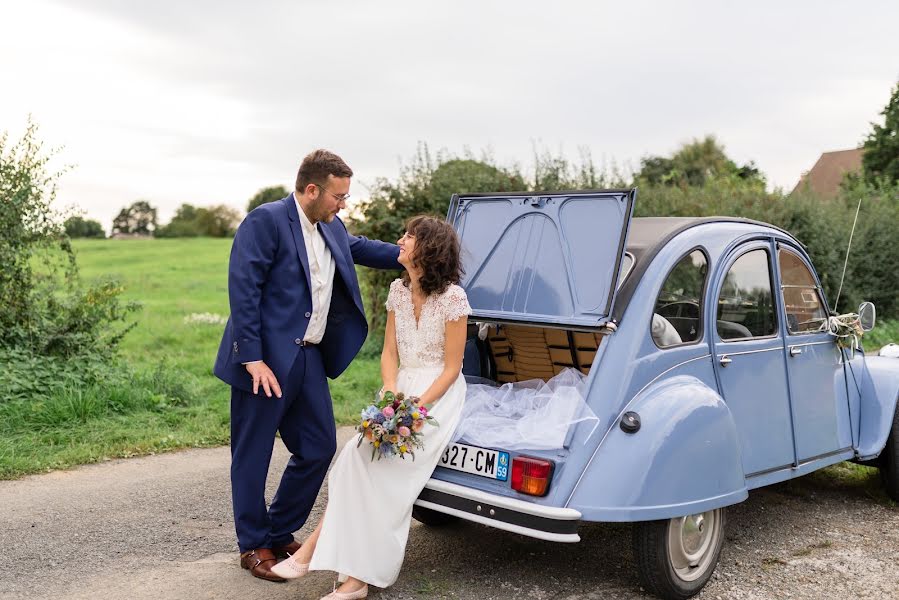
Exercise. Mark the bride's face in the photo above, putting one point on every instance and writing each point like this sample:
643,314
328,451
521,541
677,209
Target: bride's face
407,247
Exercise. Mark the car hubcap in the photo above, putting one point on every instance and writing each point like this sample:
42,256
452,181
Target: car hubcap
692,541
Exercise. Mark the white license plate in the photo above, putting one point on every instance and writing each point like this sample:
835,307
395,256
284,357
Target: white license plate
478,461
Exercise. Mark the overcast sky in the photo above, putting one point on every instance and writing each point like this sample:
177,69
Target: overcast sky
207,101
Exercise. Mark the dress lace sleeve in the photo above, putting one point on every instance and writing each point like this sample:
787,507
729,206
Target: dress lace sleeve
393,296
454,303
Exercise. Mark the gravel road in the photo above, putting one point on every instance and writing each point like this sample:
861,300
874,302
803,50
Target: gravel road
160,527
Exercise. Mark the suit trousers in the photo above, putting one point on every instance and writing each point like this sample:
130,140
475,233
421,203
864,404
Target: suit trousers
304,416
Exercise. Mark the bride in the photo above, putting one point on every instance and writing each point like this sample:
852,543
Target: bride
363,532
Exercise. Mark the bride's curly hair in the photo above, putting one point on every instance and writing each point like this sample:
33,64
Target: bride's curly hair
436,253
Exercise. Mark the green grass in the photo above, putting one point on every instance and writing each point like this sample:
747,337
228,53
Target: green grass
174,400
885,331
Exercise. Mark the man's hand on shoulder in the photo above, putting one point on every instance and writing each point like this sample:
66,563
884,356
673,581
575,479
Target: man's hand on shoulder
262,375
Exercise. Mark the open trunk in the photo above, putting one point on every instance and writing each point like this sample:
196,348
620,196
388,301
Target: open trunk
541,273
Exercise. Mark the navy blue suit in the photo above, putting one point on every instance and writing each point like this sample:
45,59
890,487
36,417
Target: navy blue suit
269,292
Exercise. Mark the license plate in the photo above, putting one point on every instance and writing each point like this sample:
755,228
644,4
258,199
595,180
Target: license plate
478,461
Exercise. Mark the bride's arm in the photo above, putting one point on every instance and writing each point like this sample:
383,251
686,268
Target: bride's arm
390,359
452,366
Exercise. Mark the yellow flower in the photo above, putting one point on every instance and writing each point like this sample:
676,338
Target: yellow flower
416,415
377,443
365,423
403,449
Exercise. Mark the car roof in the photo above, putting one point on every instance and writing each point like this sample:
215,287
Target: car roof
648,235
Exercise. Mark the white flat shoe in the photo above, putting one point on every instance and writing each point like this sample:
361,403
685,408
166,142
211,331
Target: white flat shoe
357,595
289,568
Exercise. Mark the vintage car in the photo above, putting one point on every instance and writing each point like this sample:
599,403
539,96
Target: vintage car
706,366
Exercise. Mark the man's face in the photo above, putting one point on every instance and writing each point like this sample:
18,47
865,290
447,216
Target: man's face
329,198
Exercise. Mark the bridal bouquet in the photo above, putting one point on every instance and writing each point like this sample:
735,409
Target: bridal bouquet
393,426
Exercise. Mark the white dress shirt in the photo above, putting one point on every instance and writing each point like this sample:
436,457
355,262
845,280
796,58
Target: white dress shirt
321,275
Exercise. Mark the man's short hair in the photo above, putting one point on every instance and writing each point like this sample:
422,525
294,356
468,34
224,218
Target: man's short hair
316,167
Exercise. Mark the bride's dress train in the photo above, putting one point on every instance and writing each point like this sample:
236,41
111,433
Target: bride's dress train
366,524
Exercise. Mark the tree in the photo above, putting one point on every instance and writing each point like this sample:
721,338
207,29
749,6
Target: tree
696,163
183,224
139,218
217,221
269,194
78,227
192,221
881,158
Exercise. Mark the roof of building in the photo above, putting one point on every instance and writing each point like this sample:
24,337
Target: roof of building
825,177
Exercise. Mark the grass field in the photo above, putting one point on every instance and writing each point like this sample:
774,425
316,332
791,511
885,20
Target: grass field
173,279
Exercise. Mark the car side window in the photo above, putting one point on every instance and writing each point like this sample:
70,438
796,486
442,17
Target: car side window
677,318
802,297
745,304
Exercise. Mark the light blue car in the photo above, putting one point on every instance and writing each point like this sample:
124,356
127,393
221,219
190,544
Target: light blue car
705,364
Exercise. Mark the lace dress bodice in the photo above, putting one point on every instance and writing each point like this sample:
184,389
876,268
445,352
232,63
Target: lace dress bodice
423,343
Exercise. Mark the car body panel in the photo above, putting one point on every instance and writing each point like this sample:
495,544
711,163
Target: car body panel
681,461
879,392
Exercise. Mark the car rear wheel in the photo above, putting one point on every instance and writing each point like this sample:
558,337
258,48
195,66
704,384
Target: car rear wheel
432,518
889,461
676,558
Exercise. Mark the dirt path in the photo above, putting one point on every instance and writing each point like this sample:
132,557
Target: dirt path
160,527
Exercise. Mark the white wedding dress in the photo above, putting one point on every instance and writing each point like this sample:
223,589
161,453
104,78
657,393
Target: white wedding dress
366,524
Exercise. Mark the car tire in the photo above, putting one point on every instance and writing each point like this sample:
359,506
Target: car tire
432,518
889,461
676,557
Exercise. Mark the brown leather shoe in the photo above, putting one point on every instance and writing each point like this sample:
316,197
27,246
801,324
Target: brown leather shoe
260,562
288,550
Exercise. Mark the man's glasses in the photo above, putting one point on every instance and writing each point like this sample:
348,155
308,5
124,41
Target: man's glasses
340,197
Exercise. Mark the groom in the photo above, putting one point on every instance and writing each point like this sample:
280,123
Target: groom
296,317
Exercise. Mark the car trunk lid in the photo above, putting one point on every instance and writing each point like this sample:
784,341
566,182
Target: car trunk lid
552,259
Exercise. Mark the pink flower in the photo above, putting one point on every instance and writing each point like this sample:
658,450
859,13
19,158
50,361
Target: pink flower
404,431
388,411
423,410
417,425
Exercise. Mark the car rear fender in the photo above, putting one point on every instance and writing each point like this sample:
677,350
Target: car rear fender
684,459
879,387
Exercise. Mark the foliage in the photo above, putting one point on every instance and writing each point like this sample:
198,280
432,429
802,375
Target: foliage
425,187
192,221
885,331
269,194
695,164
47,314
881,158
79,227
139,219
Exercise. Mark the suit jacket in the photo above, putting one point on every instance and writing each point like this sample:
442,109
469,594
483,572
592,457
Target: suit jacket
269,293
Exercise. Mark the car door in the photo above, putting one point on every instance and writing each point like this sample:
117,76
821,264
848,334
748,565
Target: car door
749,358
816,375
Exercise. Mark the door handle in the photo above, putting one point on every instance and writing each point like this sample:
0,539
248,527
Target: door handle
725,360
795,350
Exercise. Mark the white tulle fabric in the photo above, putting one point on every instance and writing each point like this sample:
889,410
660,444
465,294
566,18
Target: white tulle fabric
532,415
366,524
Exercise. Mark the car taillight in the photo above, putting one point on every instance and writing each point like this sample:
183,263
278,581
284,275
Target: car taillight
531,475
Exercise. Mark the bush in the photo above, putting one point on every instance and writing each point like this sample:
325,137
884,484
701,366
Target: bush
53,330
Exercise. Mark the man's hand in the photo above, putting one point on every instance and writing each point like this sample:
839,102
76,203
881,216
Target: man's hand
263,375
